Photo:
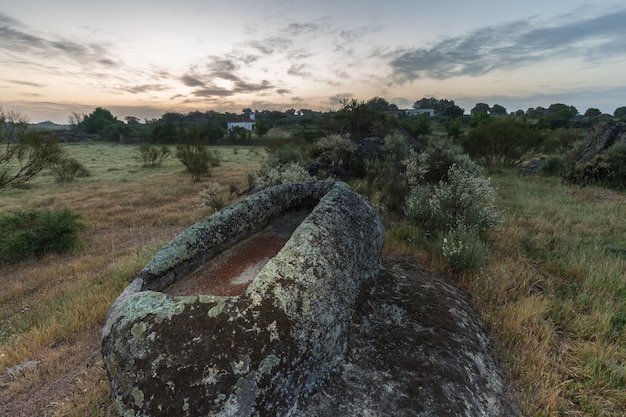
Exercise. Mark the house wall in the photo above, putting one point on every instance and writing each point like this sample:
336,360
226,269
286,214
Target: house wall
245,125
415,112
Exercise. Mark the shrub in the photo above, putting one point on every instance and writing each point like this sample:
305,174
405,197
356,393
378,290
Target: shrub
607,168
465,200
198,160
270,176
386,186
67,169
335,150
25,152
151,156
616,159
501,143
453,215
431,166
396,147
553,165
462,248
35,233
250,178
283,155
212,197
562,140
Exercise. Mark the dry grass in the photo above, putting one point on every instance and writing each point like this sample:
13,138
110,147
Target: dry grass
130,212
554,294
553,291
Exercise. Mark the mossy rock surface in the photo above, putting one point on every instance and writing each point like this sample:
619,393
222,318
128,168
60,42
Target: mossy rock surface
260,352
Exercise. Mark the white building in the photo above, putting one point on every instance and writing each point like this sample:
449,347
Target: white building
417,112
246,121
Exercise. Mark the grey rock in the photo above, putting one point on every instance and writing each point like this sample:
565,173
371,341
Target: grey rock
416,348
601,138
259,352
15,371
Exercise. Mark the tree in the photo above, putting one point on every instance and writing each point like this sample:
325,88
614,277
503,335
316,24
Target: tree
97,120
498,110
455,127
480,108
563,110
380,104
478,119
593,112
76,120
102,122
453,111
441,107
131,120
25,152
418,126
358,121
262,128
196,157
620,112
558,115
501,143
438,105
536,112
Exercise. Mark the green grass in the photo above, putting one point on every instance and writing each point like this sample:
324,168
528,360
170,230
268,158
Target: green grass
554,294
553,290
129,212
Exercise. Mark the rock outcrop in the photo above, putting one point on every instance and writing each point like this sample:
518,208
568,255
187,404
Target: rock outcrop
599,140
416,348
258,352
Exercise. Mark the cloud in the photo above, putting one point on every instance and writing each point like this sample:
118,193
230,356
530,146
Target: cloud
270,45
297,29
217,70
144,88
336,100
16,41
213,92
191,81
512,45
298,70
28,83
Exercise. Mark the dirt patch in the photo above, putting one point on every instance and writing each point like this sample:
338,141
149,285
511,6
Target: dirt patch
64,374
231,272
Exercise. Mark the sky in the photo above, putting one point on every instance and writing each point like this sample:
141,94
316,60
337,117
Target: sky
146,58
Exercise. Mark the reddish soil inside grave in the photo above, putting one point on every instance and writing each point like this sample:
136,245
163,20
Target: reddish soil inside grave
232,271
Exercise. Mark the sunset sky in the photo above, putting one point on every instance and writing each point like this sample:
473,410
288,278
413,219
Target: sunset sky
144,58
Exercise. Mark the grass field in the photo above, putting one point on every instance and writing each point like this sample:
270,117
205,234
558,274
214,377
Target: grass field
554,295
130,212
553,291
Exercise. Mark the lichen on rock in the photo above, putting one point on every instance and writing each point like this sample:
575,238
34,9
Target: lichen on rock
260,352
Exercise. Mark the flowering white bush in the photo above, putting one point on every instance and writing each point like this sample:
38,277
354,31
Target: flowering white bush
465,199
433,164
462,248
396,147
212,196
283,174
334,149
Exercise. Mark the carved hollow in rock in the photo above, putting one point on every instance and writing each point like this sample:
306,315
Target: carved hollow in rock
230,272
172,345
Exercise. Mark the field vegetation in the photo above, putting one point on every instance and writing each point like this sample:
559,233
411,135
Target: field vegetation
50,305
543,259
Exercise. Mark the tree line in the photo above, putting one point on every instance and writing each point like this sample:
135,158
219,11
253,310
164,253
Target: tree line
372,117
